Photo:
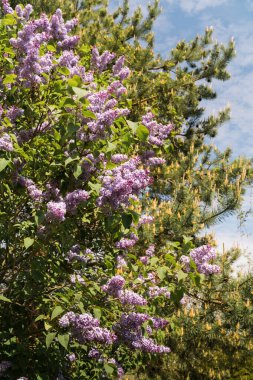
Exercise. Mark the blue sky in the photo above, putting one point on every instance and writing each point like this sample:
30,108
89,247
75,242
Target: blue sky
183,19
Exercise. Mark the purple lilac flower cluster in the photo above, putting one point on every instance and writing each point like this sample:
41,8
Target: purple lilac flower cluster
100,62
56,211
71,357
86,328
201,256
74,198
126,243
34,35
156,291
121,261
114,288
6,143
157,132
120,70
74,254
94,353
120,371
145,219
119,158
13,113
71,61
155,161
129,332
123,182
34,192
149,253
104,107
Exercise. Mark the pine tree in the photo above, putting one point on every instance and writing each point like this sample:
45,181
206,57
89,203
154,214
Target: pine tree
212,334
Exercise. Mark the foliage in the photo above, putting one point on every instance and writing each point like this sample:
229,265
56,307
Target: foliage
212,335
77,300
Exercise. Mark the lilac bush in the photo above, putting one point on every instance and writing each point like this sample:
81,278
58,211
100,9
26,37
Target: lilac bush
81,283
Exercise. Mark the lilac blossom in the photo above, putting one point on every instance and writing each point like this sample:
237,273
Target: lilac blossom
56,211
94,353
144,260
156,291
34,192
118,158
6,143
85,328
6,7
114,286
120,70
126,243
201,256
121,261
14,113
32,37
121,183
148,345
129,332
151,250
157,132
159,323
155,161
71,357
128,297
105,113
74,198
100,62
145,219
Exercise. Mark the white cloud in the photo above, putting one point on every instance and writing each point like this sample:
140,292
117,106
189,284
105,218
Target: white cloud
192,6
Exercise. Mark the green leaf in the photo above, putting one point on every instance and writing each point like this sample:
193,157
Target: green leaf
49,338
154,260
89,114
187,239
181,275
64,340
63,70
80,92
127,220
47,326
3,163
75,81
109,369
3,298
97,312
70,159
95,187
57,311
69,102
40,317
132,125
78,171
9,19
28,242
10,78
142,132
162,272
111,147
